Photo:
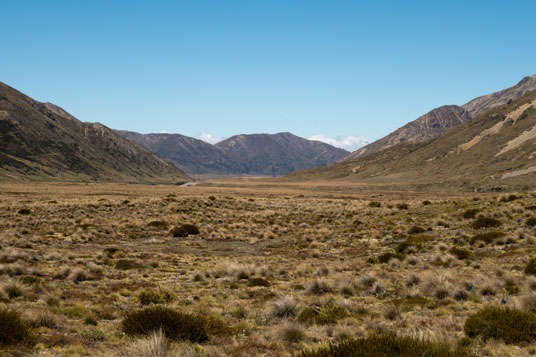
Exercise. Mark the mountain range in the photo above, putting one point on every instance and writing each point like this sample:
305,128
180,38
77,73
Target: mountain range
41,141
250,155
442,119
494,150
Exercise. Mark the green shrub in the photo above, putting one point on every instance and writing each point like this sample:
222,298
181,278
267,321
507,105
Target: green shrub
512,326
158,224
470,213
149,296
374,204
531,222
413,241
179,232
530,268
486,237
486,222
13,330
192,229
259,282
416,230
388,345
461,253
175,325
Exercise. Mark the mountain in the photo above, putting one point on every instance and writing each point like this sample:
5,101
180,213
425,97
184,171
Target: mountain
41,141
493,151
252,155
189,154
439,120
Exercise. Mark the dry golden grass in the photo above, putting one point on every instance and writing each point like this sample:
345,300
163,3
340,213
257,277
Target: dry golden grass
276,268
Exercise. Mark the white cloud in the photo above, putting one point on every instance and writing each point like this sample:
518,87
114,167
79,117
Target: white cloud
350,143
164,132
208,138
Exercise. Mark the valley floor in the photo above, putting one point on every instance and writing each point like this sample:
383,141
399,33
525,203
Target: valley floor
276,268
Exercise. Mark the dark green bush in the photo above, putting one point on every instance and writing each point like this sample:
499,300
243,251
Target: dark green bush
374,204
386,257
531,222
388,345
175,325
149,296
486,222
413,241
259,282
511,326
416,230
461,253
486,237
179,232
530,268
192,229
13,330
470,213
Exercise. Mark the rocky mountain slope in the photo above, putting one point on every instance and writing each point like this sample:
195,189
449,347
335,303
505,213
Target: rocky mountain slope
444,118
41,141
495,150
253,155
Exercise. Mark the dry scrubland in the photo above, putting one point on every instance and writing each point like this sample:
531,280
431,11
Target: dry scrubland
93,269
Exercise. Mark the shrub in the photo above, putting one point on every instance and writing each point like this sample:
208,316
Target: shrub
318,287
531,222
374,204
31,280
461,253
486,222
426,202
13,291
158,224
326,316
178,232
416,230
509,198
413,241
388,345
530,268
175,325
486,237
13,330
126,264
512,326
149,296
470,213
386,257
24,211
402,206
191,229
259,282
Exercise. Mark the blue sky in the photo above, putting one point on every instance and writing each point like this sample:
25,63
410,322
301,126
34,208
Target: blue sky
331,69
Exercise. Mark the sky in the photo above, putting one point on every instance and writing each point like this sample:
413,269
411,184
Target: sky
344,72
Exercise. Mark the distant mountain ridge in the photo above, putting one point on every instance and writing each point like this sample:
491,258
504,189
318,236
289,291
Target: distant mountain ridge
41,141
252,154
440,120
496,150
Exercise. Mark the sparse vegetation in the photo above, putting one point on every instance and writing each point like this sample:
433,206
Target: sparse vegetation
13,330
486,222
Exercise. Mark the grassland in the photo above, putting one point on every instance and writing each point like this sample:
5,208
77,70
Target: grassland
275,270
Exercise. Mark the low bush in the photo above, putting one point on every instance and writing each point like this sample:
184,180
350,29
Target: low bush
175,325
258,282
416,230
461,253
191,229
386,257
149,296
374,204
158,224
326,316
511,326
486,237
413,241
388,345
178,232
486,222
531,222
530,268
470,213
13,330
